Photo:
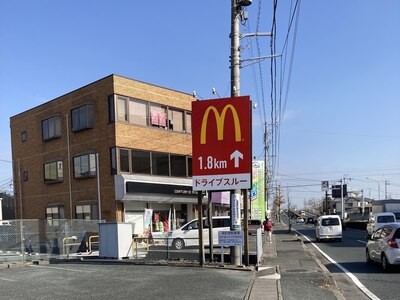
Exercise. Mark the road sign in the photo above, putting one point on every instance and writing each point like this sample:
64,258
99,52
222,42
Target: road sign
325,186
221,141
230,238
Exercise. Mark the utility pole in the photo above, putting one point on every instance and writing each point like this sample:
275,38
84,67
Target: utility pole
386,184
341,197
265,165
289,213
237,14
235,92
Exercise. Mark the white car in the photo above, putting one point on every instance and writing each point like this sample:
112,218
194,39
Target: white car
299,220
377,220
328,227
188,234
384,246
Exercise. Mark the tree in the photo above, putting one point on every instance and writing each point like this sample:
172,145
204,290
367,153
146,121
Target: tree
314,205
278,201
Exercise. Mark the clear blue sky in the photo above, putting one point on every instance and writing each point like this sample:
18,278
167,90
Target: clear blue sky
341,116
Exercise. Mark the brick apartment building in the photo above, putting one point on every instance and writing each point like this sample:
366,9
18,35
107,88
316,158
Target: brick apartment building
107,150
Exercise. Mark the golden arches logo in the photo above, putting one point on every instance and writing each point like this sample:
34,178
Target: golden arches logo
220,120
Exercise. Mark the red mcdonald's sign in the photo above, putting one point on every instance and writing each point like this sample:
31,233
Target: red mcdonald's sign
221,141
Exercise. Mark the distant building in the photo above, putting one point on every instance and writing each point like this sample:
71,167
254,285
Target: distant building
387,205
356,208
108,150
8,206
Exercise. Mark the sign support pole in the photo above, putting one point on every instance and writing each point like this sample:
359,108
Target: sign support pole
246,226
200,218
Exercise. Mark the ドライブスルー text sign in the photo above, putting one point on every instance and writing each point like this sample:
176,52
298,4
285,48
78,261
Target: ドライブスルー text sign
221,139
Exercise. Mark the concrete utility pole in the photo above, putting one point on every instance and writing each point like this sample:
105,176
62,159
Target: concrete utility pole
265,166
386,184
235,92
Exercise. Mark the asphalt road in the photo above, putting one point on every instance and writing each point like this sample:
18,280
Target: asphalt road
350,253
99,281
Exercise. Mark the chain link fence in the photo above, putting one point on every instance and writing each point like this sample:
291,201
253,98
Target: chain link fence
27,240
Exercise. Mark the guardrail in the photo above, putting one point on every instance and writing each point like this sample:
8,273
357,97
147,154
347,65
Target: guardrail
66,245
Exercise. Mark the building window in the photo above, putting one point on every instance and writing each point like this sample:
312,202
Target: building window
145,113
113,161
138,112
141,162
23,136
189,166
122,110
53,172
158,115
51,128
111,109
85,166
175,120
82,117
124,160
54,213
188,122
87,211
25,176
152,163
178,165
160,163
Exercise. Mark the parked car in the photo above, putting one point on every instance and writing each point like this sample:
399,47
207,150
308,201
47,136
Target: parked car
397,215
377,220
384,246
188,234
254,225
328,227
299,220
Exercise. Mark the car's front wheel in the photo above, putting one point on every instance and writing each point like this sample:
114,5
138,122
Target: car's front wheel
178,244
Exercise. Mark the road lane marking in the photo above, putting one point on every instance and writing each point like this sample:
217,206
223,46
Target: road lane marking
357,282
364,242
64,269
7,279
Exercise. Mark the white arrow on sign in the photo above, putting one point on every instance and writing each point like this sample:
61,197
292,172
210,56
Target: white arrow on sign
236,155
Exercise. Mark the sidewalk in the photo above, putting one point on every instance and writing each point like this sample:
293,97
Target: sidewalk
288,271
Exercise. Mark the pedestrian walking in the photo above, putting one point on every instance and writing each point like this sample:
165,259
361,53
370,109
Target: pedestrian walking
268,229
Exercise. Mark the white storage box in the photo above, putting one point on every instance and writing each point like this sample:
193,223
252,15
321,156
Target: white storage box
115,240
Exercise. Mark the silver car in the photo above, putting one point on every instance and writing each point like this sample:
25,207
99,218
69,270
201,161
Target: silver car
384,246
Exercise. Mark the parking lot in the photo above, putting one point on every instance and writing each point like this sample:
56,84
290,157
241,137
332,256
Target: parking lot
121,281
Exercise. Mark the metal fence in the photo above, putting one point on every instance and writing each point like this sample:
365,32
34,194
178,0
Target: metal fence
161,248
27,240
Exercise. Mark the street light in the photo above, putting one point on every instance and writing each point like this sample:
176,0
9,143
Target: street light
379,187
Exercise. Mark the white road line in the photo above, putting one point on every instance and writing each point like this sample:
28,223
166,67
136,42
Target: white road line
64,269
364,242
357,282
7,279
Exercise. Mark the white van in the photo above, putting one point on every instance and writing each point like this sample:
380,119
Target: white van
328,228
377,220
188,234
